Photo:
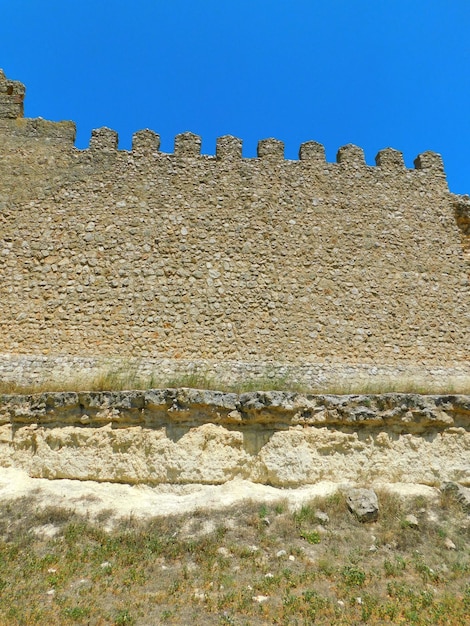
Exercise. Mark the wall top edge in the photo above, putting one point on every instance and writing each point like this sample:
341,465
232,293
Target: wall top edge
187,145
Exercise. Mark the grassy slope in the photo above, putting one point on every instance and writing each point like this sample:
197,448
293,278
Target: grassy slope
230,567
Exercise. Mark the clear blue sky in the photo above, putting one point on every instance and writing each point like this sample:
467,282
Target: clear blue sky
376,73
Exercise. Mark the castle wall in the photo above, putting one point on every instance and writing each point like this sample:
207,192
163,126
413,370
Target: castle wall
188,256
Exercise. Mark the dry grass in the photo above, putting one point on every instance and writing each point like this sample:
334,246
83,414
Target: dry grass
247,566
402,384
128,377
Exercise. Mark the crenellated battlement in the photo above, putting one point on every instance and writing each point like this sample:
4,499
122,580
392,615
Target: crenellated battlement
146,143
219,257
187,146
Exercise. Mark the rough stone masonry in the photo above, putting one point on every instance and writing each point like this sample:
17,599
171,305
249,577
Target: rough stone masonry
173,260
183,256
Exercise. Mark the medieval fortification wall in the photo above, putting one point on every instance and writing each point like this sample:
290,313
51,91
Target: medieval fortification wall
170,262
107,252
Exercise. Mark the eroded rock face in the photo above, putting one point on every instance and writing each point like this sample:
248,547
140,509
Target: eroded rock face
284,439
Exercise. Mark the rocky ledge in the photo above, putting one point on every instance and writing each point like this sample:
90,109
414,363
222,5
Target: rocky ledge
284,439
275,409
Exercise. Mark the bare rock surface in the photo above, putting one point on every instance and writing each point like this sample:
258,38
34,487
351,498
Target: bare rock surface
143,501
412,521
364,504
283,439
407,412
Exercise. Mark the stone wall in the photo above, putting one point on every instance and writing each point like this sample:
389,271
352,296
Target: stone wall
186,256
39,372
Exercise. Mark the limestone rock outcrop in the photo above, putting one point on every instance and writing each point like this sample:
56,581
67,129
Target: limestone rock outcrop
283,439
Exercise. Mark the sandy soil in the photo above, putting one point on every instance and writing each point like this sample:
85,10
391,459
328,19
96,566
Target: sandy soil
142,501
